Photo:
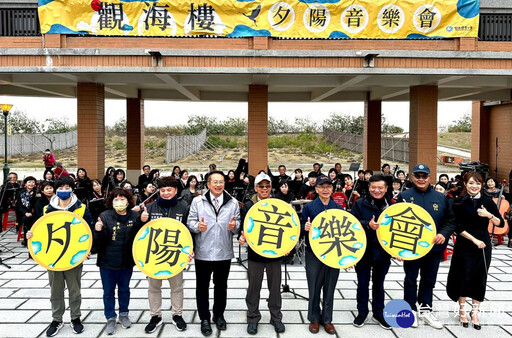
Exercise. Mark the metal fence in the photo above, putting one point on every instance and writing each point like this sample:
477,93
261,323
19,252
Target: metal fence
19,22
392,148
179,147
23,144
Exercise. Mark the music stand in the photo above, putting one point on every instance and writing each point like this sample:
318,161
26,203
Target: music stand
239,259
286,287
355,168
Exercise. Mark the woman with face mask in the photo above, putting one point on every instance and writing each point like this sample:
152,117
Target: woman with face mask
114,233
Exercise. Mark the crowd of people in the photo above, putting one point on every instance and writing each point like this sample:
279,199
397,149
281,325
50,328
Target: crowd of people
213,207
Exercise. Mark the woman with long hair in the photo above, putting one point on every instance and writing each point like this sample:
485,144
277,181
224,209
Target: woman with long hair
191,190
96,200
472,250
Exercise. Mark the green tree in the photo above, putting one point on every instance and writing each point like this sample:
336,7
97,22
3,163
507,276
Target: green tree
20,123
461,125
120,125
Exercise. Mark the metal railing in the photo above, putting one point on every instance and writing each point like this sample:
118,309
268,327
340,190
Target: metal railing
392,148
23,144
19,22
495,27
179,147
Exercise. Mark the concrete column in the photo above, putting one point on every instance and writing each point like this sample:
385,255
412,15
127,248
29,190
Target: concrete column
258,128
372,135
480,133
423,128
134,138
500,125
91,128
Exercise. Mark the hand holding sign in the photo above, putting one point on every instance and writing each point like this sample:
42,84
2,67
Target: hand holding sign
241,240
232,223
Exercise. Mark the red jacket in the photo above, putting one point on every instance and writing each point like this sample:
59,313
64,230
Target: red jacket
49,160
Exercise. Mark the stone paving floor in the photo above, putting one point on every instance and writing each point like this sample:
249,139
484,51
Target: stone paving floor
25,306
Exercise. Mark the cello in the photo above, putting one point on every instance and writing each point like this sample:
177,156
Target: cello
503,207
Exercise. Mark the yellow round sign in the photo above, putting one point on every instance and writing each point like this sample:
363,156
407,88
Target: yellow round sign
161,248
406,230
61,240
272,228
337,238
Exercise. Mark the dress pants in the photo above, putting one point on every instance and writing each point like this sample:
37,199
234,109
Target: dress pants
204,271
378,270
255,272
320,278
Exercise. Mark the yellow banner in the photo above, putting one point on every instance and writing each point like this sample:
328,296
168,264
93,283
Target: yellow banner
161,248
62,240
337,238
406,230
334,19
272,228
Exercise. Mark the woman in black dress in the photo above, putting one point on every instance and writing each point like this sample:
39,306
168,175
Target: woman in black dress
472,250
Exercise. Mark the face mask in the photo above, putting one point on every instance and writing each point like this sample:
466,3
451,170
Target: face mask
63,194
120,206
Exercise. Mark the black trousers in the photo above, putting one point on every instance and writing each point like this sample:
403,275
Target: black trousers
427,267
204,271
321,278
378,270
255,272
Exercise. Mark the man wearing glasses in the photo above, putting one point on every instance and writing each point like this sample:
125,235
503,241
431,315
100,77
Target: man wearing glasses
319,275
437,206
214,218
257,265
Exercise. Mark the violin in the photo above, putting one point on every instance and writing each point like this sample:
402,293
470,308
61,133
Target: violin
504,208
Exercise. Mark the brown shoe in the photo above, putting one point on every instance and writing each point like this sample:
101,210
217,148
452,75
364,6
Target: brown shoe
314,327
329,328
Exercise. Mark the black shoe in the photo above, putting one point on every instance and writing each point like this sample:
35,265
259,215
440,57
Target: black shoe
252,328
359,321
77,326
278,326
179,323
509,244
220,322
24,242
206,328
155,322
382,322
54,328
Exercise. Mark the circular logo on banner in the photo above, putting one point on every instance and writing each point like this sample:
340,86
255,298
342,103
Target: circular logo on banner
406,230
337,238
398,313
161,248
62,240
272,228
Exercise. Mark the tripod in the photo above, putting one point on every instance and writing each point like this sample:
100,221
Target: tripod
239,259
286,287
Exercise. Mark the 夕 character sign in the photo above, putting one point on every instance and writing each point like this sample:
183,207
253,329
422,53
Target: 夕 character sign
406,230
272,228
161,248
337,238
61,241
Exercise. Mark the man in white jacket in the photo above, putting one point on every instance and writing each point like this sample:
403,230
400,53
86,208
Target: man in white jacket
214,218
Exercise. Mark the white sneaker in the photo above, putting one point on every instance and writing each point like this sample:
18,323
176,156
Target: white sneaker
429,318
415,314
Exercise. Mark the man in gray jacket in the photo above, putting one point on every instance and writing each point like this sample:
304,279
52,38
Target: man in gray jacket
214,218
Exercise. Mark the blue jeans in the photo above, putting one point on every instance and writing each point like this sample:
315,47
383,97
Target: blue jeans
109,279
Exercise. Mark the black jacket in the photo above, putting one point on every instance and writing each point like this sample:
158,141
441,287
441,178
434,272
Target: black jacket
364,209
178,211
114,241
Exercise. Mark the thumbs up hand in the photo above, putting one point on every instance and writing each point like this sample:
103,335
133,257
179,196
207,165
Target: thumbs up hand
307,226
232,223
144,216
374,225
241,240
99,225
202,225
482,212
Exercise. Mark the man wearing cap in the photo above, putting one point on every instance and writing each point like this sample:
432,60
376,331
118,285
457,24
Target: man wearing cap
319,276
257,265
437,206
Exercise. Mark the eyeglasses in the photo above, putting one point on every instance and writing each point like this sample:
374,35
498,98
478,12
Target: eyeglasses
324,187
264,186
217,182
420,176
